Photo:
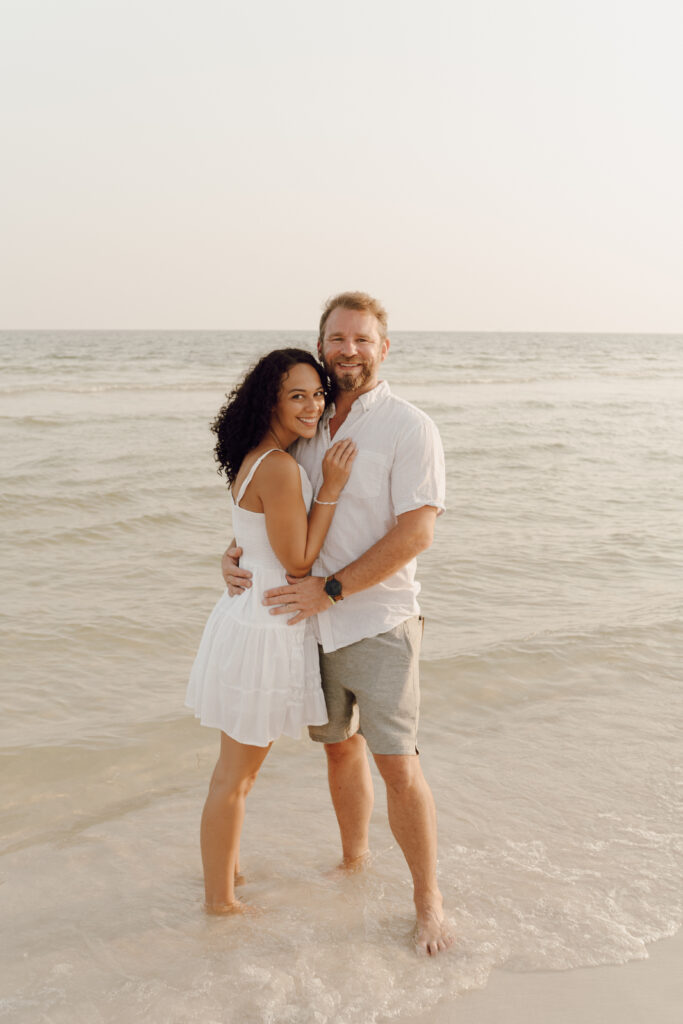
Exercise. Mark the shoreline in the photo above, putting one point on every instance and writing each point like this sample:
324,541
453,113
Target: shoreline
637,992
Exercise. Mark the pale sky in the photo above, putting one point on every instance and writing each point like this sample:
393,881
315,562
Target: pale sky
478,164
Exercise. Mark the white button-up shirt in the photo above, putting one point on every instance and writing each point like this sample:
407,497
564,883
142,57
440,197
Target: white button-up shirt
399,467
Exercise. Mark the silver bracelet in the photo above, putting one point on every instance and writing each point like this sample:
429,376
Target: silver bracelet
316,502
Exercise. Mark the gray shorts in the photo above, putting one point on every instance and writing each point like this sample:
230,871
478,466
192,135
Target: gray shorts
373,687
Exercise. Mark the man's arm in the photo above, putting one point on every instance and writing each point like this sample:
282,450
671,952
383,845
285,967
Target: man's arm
413,533
237,580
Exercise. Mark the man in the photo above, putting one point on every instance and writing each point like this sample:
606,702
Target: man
363,593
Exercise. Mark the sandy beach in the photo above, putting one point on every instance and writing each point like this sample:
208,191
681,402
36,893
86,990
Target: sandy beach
640,992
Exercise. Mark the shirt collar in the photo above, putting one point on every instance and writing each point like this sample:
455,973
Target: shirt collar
363,402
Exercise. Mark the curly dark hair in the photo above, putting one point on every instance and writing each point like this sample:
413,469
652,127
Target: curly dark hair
244,419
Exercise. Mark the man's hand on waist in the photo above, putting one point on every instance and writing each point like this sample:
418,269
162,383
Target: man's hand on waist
237,580
304,597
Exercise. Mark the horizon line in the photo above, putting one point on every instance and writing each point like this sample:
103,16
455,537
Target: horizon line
310,330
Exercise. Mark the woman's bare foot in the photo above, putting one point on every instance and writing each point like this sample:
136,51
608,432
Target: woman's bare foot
433,932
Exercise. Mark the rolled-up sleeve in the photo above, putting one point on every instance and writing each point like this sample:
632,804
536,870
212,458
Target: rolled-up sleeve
418,473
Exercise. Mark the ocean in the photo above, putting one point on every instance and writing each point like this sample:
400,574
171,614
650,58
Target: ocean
551,677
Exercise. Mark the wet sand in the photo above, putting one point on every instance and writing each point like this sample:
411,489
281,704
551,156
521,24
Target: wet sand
639,992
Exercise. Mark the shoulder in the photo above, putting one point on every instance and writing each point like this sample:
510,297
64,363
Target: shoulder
417,442
407,416
279,470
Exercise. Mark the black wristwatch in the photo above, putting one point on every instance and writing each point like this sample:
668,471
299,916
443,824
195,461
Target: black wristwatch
333,589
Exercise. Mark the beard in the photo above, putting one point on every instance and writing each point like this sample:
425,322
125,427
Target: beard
349,381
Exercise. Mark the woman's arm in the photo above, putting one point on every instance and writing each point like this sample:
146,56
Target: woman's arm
295,537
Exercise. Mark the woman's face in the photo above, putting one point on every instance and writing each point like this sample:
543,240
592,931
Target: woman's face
300,404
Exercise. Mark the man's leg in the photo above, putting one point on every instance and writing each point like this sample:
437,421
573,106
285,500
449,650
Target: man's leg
348,773
412,817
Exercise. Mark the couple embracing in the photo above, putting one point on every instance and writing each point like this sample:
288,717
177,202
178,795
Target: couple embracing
328,471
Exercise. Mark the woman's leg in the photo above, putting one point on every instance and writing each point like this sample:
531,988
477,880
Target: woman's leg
233,777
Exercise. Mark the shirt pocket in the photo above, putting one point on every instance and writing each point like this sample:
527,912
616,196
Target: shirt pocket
369,475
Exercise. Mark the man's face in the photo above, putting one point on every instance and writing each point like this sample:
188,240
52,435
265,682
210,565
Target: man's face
352,349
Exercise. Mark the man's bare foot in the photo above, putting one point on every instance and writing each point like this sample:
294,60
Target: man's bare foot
351,865
236,907
433,932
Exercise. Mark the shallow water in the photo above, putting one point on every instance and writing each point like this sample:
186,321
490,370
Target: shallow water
551,708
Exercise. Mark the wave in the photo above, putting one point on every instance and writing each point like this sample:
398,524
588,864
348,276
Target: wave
53,387
70,419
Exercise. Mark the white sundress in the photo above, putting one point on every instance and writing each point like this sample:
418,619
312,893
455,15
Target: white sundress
255,677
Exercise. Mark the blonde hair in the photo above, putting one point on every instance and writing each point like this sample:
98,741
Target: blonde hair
360,301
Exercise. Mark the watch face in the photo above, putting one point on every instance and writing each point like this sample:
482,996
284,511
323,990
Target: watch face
333,587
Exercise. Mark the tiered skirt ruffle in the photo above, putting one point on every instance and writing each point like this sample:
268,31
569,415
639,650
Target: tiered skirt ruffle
255,677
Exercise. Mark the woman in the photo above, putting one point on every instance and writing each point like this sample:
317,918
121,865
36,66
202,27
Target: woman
255,677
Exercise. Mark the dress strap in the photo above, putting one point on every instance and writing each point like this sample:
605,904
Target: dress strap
248,478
